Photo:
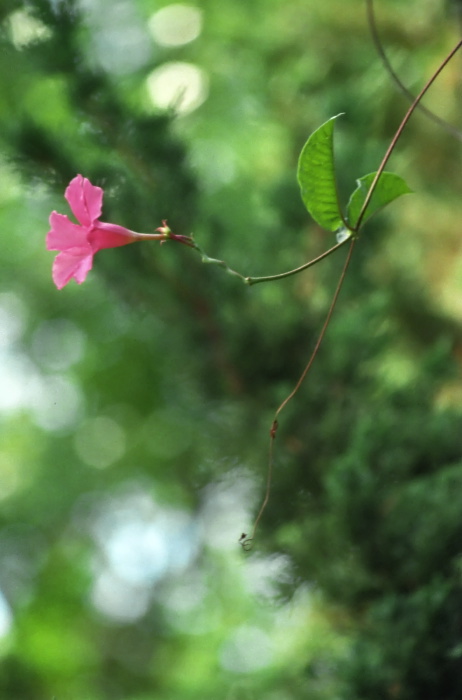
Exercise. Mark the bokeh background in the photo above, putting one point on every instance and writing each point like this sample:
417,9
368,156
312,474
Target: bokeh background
135,408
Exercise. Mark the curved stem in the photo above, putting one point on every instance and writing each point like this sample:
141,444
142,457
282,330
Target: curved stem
389,68
246,542
399,131
322,333
282,275
215,261
256,280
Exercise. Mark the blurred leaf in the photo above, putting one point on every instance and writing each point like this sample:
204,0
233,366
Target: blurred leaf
389,187
316,177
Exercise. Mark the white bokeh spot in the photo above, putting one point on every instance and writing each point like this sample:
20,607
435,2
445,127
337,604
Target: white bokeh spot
177,85
176,25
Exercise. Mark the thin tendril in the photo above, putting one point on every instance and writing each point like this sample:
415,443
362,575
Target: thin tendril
399,131
245,541
321,335
389,68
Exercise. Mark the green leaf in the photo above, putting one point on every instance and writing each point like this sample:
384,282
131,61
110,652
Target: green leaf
316,177
389,187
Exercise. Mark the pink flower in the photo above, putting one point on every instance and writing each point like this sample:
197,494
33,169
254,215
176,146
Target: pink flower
79,243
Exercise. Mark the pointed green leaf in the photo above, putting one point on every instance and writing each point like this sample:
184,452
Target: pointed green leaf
316,177
389,187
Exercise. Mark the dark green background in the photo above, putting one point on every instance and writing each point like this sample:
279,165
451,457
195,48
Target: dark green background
135,408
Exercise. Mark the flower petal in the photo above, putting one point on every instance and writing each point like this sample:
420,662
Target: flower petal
104,235
85,200
64,234
69,265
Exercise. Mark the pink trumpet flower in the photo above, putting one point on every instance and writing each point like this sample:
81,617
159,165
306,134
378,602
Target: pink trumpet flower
78,243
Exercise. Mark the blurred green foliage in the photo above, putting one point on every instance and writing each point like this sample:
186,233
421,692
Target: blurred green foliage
136,407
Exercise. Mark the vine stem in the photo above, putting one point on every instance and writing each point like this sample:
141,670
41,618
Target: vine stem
322,333
257,280
272,278
394,76
399,131
245,541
